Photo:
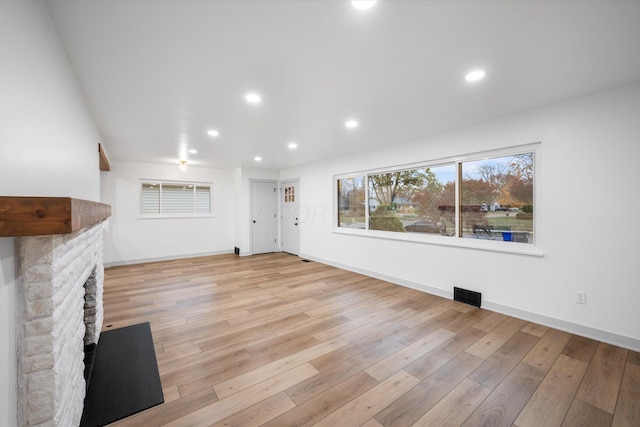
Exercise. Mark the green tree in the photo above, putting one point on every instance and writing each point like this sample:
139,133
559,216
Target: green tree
385,219
387,186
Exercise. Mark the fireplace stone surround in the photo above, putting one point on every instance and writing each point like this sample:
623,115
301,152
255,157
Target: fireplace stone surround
58,302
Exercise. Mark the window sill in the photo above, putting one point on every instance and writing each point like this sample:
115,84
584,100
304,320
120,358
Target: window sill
178,216
479,244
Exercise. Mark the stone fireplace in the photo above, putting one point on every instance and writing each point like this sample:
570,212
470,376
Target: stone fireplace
58,303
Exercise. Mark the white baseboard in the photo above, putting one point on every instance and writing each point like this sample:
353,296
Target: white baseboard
165,258
562,325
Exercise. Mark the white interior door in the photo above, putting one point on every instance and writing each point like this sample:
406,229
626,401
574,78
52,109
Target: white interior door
290,205
264,217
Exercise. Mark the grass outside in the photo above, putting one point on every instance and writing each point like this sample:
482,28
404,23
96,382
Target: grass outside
350,219
501,222
511,223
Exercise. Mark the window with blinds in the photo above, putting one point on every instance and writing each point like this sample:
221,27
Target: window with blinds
175,198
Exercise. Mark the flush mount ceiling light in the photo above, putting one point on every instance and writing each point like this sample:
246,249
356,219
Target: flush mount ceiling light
351,124
213,133
193,151
183,165
363,4
292,146
475,75
257,158
253,98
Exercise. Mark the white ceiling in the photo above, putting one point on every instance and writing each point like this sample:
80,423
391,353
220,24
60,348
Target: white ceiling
158,74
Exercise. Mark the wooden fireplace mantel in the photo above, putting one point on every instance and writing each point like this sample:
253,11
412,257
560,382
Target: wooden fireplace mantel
37,216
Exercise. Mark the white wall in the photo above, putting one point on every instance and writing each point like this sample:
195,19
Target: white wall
48,141
586,217
130,239
48,146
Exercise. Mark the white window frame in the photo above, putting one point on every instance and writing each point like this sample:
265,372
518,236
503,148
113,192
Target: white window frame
533,249
161,214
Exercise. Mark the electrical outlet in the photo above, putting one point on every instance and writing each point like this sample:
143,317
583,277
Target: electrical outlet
581,297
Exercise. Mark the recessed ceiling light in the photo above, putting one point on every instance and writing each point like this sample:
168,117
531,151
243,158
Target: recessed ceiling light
214,133
193,151
257,158
475,75
351,124
363,4
253,98
292,145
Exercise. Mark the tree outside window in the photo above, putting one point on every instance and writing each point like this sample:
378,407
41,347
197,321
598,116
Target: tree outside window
351,202
415,200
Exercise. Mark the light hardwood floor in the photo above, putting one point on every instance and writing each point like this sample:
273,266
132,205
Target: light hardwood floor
273,340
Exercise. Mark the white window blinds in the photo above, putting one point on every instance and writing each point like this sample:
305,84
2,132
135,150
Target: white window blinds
150,199
203,199
175,198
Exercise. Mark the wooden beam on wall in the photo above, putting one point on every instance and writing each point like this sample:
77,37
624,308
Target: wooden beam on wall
37,216
104,162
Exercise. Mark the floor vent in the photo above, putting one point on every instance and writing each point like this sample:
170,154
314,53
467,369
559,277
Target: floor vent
466,296
306,260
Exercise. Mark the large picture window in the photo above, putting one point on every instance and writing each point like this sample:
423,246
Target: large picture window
473,197
175,199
